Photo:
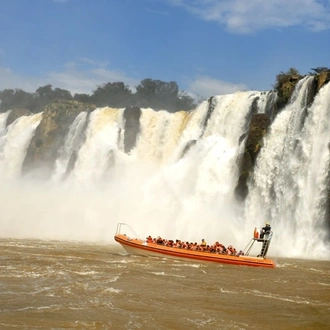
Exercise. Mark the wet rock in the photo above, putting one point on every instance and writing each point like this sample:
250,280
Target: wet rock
132,127
322,79
16,113
187,147
50,135
258,127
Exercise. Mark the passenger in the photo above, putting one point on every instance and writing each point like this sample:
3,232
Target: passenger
265,230
203,243
230,250
169,243
149,239
159,240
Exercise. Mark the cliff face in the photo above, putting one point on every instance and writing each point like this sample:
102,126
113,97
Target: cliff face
258,128
50,134
16,113
132,127
259,125
322,78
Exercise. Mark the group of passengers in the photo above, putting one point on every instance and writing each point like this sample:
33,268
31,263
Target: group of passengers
215,248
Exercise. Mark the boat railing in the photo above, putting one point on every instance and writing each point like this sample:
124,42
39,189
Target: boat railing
122,224
265,240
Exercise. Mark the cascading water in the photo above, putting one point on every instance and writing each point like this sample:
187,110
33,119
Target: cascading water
162,186
72,144
289,178
14,143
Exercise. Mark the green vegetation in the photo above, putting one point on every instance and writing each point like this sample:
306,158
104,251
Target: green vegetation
319,70
155,94
285,77
284,85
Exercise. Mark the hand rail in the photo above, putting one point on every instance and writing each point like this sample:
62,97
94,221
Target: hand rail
122,224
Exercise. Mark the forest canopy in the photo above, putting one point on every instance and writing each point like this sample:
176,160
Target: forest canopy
156,94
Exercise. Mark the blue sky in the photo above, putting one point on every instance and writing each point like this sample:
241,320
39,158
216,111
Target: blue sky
208,47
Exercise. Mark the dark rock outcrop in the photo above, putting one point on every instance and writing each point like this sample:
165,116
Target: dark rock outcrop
49,136
319,81
285,90
257,130
132,127
16,113
322,79
212,104
187,147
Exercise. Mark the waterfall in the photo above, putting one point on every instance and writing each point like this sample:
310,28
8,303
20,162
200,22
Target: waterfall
102,138
179,178
289,179
14,142
72,144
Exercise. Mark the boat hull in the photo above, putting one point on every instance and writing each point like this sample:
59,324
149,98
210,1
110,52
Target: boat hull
139,247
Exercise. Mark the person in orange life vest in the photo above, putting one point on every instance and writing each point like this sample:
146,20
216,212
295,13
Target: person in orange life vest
149,239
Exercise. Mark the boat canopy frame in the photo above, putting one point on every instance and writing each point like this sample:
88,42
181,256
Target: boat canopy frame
265,244
122,224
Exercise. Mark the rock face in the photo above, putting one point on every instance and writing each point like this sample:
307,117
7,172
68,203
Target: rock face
322,79
285,90
132,127
50,135
258,128
16,113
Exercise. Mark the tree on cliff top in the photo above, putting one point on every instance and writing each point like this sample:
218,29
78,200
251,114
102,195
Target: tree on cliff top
284,77
161,95
115,94
320,69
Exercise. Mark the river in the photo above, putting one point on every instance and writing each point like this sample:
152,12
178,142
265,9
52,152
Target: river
47,284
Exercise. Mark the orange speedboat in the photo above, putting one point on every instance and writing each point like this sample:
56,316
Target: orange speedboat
137,246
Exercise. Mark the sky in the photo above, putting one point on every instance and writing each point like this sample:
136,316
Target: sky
208,47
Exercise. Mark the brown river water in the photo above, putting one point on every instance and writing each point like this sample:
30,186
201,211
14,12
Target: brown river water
68,285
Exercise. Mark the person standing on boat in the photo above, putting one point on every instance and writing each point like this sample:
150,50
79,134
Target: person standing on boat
265,230
203,244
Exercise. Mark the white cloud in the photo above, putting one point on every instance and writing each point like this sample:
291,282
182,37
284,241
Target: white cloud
10,79
85,75
82,76
247,16
205,87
